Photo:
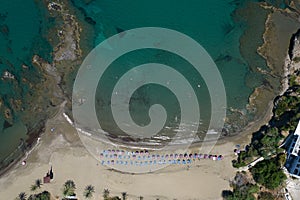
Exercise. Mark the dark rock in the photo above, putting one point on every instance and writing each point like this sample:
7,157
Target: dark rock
6,125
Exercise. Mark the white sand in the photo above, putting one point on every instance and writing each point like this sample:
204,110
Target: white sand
204,180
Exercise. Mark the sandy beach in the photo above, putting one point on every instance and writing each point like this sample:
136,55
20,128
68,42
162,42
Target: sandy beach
62,149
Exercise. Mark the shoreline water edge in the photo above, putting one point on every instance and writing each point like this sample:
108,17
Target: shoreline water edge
70,48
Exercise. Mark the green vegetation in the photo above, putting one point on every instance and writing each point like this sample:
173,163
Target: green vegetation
266,141
89,191
268,173
296,59
124,195
245,193
37,184
242,189
69,188
22,196
266,196
41,196
292,81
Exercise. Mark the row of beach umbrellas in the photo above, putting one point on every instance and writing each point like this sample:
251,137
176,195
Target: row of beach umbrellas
142,163
145,155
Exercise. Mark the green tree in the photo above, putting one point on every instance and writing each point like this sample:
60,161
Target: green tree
45,195
38,183
124,195
106,194
88,191
22,196
268,173
69,188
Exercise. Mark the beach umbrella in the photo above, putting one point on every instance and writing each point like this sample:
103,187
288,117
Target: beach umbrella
195,155
153,156
220,157
112,162
139,157
131,162
141,152
122,152
146,152
108,151
113,151
150,162
149,157
137,152
108,162
126,162
102,162
144,157
189,161
205,156
191,155
180,155
183,162
157,156
178,161
170,161
171,155
185,155
200,156
154,162
101,155
162,156
166,156
176,155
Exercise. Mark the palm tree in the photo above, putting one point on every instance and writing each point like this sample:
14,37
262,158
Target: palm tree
106,194
124,195
88,191
141,198
22,196
69,188
38,183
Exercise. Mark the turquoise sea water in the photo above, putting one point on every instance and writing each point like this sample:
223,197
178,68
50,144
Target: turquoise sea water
210,23
21,37
23,33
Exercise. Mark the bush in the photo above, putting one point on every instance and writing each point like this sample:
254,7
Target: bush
268,173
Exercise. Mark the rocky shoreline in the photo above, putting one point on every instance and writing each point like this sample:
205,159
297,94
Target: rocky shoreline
49,91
